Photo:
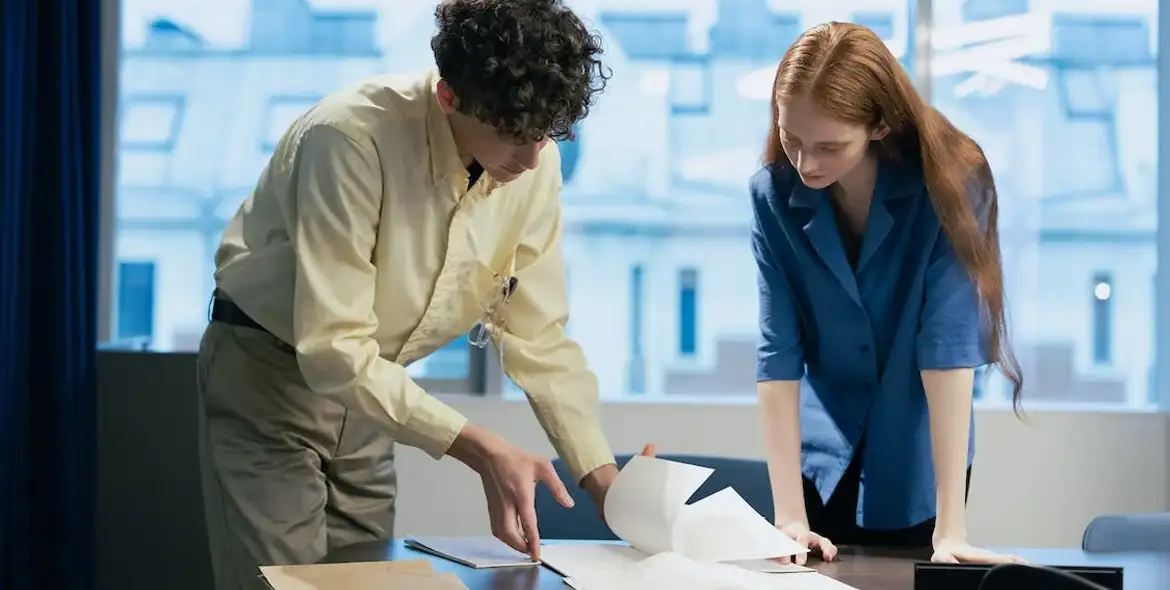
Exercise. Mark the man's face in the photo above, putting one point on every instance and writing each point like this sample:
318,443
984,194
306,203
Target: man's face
502,157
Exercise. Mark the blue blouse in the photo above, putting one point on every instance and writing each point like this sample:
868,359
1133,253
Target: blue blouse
858,336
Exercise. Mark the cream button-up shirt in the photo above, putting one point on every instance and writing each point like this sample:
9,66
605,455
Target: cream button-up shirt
364,249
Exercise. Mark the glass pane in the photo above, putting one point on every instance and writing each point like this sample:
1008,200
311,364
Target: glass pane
663,293
205,90
1063,100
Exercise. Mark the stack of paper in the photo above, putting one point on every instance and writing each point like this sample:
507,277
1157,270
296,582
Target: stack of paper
671,544
416,575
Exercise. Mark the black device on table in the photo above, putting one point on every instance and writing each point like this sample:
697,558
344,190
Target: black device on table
951,576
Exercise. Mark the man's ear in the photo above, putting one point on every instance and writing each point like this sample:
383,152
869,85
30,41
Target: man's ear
880,131
446,97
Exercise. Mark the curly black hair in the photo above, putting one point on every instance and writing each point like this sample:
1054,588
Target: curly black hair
528,68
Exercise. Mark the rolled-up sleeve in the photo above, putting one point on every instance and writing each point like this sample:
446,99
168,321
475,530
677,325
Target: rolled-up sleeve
538,355
953,331
780,354
338,185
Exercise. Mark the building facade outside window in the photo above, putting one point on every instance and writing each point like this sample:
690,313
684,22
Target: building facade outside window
1062,95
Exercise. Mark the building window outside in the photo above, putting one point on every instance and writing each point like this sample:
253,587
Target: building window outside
136,303
688,311
1102,301
151,123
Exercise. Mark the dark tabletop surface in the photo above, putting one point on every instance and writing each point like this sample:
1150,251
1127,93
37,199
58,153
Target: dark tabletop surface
865,569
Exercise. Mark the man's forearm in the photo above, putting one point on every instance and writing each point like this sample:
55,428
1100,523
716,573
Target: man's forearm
563,394
349,369
948,396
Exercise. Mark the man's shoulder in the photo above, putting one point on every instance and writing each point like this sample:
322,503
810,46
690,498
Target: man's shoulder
374,106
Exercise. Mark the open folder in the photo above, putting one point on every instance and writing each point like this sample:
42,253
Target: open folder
672,544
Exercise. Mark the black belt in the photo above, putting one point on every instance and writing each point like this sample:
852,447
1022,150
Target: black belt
226,311
223,310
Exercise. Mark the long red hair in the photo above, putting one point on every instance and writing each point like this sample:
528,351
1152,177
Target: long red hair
849,72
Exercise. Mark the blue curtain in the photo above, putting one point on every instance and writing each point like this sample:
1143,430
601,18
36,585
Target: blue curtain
49,193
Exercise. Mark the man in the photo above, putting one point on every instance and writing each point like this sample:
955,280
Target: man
393,217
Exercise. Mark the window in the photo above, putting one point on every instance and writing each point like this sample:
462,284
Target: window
1063,99
570,154
151,123
135,325
975,10
690,86
688,312
637,384
1065,106
281,112
202,101
1102,294
882,24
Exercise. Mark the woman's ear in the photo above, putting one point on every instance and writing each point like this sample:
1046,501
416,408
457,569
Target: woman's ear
880,131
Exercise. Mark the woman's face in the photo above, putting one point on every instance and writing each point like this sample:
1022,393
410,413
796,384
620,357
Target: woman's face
821,148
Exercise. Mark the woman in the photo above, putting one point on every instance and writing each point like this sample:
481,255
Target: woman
881,292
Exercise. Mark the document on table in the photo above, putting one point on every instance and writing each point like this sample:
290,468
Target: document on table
416,575
717,543
476,552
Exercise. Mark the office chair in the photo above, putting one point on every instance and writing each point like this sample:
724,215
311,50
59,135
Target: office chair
1016,576
749,478
1128,532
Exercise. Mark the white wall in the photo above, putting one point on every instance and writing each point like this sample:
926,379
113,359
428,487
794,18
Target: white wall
1034,485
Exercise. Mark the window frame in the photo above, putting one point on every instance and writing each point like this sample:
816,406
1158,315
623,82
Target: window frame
111,66
485,376
1162,242
178,104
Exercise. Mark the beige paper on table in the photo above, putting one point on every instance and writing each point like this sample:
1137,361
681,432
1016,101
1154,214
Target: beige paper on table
373,575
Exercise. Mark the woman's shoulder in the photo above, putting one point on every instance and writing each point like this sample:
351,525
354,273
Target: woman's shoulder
772,184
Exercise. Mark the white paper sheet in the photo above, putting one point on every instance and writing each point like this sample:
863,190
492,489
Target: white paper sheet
644,501
769,566
724,527
675,545
646,507
619,567
675,572
586,564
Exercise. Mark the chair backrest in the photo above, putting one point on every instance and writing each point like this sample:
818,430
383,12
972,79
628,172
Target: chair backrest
1128,532
747,477
1015,576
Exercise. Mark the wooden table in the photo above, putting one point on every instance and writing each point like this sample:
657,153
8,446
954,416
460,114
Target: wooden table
865,569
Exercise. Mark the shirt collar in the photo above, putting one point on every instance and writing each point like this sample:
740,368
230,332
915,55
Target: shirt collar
441,142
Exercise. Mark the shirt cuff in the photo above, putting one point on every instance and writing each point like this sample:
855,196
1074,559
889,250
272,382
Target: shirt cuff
584,450
432,427
779,367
